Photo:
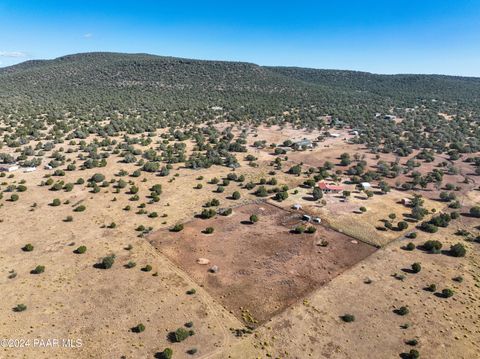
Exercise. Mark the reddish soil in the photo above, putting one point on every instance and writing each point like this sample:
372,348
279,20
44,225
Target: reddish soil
263,268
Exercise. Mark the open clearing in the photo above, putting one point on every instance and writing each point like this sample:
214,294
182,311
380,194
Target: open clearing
263,267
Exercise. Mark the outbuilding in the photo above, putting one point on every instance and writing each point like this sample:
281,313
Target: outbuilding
8,168
365,185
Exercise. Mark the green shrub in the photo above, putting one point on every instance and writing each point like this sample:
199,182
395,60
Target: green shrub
180,335
311,229
431,287
108,261
253,218
38,269
80,208
14,197
475,211
139,328
413,354
56,202
348,318
191,291
97,178
432,245
147,268
166,354
208,230
236,195
416,267
458,250
20,308
81,250
299,229
411,235
130,264
226,212
402,311
410,246
27,247
447,293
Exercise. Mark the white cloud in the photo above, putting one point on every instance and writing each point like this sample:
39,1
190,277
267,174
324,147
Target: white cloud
88,35
12,54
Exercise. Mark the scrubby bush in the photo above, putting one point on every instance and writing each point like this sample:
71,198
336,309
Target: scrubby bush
130,264
447,293
181,334
107,262
138,328
38,269
416,267
348,318
432,246
14,197
27,247
208,230
97,178
167,353
475,211
253,218
80,208
411,235
236,195
458,250
20,308
410,246
310,229
56,202
147,268
402,311
177,228
299,229
81,250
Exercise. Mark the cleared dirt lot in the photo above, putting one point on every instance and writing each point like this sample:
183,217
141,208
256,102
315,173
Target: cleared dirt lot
263,267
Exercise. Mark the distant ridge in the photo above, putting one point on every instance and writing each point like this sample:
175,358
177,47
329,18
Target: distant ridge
132,80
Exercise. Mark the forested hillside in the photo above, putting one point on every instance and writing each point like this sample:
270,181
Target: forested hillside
126,81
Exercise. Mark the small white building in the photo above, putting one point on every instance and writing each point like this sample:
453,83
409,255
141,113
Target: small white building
29,169
317,220
406,202
8,168
365,185
335,135
297,206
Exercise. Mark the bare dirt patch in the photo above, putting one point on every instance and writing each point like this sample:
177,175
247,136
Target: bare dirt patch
263,267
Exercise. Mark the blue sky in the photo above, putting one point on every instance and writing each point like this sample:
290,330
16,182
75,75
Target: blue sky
389,36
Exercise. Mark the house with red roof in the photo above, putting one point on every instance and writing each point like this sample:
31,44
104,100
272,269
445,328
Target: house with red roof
327,188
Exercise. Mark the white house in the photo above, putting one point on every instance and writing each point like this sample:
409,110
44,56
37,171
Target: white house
297,206
335,135
8,168
29,169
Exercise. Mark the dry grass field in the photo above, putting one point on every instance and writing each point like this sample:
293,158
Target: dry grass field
295,289
263,267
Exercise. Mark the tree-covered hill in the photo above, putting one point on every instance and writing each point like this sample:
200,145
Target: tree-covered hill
124,81
406,86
